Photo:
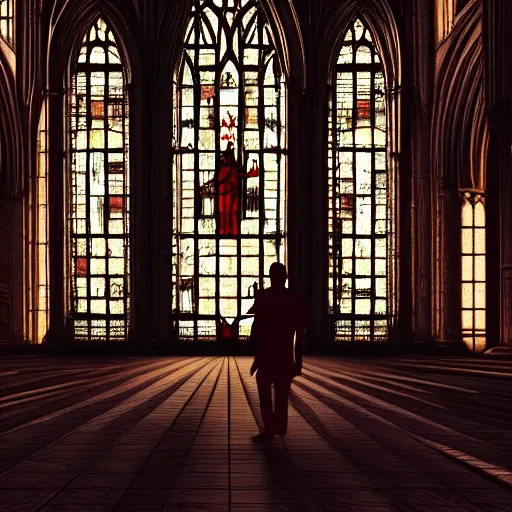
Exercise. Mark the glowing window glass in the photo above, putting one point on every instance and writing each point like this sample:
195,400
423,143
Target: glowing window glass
7,21
36,236
229,168
360,193
473,293
99,191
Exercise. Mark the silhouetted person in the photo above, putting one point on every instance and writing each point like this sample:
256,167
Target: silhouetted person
279,322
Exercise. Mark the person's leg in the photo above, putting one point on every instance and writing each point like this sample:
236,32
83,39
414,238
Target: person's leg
265,393
282,390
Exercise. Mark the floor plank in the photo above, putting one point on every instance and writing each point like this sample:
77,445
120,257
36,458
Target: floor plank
166,434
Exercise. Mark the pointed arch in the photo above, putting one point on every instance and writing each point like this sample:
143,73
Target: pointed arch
460,126
285,30
68,26
460,133
382,23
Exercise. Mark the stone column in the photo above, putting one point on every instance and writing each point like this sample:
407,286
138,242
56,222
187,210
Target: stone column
10,267
497,18
448,265
422,62
140,176
316,246
501,160
159,210
298,203
57,333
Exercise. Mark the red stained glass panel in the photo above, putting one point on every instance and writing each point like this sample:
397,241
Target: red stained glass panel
115,204
363,109
97,109
81,267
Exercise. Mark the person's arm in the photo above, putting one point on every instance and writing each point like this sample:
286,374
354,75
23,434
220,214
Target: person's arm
254,337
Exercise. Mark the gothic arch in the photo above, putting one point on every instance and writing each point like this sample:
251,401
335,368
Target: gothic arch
67,28
69,25
281,16
381,20
460,131
460,139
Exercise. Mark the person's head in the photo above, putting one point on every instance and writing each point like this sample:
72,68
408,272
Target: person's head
278,275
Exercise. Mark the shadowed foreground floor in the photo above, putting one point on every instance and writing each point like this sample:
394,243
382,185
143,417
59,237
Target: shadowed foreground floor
173,433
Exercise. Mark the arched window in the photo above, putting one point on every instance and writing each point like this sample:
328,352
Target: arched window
473,270
229,167
361,194
98,189
7,21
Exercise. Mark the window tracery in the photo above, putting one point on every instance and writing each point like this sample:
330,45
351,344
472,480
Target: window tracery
473,262
361,194
229,167
99,190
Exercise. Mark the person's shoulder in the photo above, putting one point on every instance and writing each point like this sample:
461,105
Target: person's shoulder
260,296
262,292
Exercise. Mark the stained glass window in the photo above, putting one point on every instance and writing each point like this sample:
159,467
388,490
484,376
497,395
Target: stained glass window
229,168
99,190
361,199
7,21
473,271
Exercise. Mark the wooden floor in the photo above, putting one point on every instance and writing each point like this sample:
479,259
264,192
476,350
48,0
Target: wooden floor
174,433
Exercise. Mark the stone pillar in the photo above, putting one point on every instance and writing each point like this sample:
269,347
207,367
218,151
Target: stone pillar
316,247
449,266
497,18
6,267
165,25
140,176
299,206
422,61
501,159
57,333
160,211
